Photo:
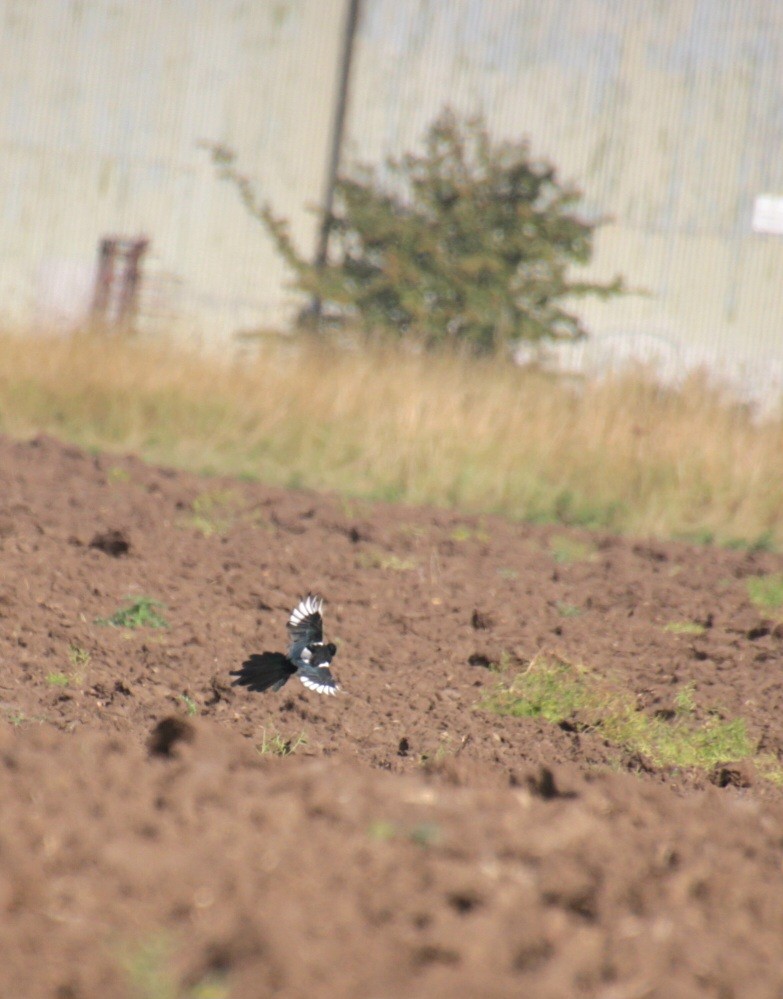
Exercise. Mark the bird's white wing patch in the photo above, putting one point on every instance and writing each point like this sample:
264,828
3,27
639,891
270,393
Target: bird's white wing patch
320,688
310,605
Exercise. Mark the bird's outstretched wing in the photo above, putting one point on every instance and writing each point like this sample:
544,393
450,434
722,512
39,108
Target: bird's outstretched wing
264,671
318,678
305,626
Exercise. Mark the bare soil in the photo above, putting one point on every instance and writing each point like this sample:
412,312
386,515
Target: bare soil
155,843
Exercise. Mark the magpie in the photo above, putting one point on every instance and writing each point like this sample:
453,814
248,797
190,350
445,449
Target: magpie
308,657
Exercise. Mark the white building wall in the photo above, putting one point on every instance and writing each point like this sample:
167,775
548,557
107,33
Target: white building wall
102,107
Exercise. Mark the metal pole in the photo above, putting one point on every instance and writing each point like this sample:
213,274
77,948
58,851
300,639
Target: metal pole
338,131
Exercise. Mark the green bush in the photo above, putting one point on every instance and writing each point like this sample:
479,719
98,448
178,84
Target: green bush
468,243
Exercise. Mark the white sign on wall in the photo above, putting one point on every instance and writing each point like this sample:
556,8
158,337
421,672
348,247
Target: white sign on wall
768,214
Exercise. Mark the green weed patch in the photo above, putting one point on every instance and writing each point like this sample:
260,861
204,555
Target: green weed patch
766,592
141,612
561,692
685,628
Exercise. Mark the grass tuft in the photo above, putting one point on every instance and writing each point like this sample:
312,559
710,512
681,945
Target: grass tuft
212,513
566,550
79,660
147,965
685,628
766,592
564,609
463,532
382,830
190,705
424,834
117,475
385,560
139,612
57,679
78,657
275,744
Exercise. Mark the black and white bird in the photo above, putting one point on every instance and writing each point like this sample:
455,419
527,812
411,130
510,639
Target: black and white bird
308,657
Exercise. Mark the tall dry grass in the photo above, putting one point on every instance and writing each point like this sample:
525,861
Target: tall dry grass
622,454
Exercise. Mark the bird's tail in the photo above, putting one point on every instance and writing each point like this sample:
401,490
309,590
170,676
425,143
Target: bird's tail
264,671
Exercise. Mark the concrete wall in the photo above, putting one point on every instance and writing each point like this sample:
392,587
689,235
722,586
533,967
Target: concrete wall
668,113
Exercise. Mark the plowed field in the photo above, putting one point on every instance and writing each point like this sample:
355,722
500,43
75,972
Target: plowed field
166,835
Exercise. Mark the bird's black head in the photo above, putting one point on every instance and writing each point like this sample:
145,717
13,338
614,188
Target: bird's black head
320,655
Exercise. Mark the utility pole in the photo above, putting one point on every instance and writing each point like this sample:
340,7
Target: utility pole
353,12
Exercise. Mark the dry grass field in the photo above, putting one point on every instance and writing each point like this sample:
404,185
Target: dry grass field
623,454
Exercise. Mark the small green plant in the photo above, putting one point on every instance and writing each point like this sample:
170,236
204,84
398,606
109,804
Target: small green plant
558,692
139,612
507,573
190,705
685,628
212,512
766,592
702,536
565,549
117,475
382,830
425,834
78,657
446,745
384,560
57,679
354,507
769,768
463,532
275,744
214,986
147,965
414,531
79,660
764,542
567,610
17,717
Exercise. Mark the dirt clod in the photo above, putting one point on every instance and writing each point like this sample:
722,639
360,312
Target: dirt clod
167,733
113,543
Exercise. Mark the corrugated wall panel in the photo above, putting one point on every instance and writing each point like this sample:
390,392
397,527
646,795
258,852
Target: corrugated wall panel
667,114
102,108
